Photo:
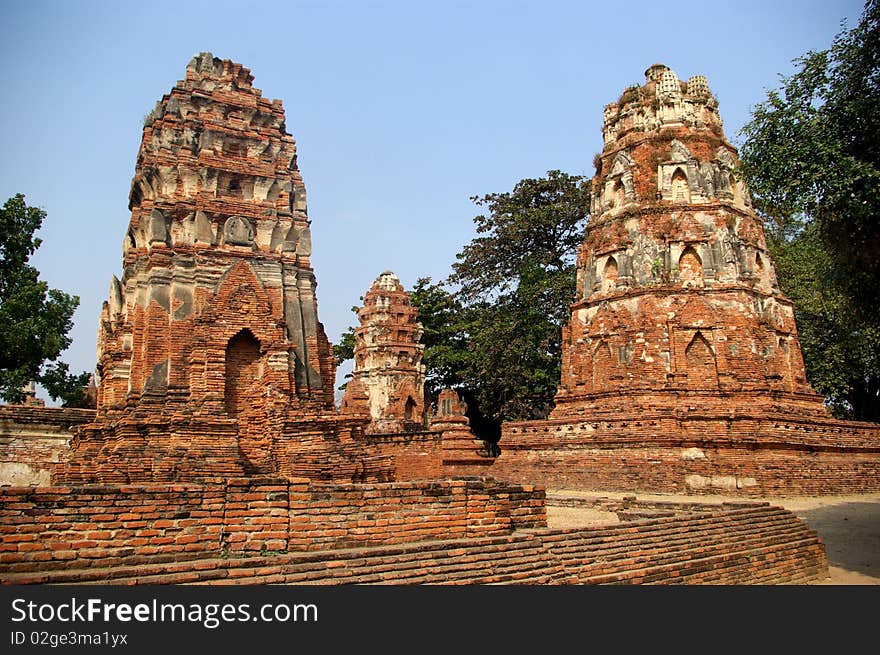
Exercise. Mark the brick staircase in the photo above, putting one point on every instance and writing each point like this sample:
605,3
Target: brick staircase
756,544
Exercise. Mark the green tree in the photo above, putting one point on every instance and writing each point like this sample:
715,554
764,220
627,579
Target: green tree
34,320
841,351
492,331
811,157
516,281
445,331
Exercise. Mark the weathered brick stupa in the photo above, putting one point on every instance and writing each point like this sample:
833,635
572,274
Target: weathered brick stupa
211,357
677,296
388,377
681,367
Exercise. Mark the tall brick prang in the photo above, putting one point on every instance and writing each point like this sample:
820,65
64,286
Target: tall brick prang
681,366
209,347
676,293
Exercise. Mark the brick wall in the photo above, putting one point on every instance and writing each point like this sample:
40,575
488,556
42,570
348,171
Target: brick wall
416,455
52,528
35,440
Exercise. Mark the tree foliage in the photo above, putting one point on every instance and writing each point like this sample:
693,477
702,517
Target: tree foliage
345,348
841,350
445,331
811,154
516,281
811,157
537,226
34,320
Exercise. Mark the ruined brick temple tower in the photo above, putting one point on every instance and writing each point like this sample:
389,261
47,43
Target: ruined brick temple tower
388,378
677,301
210,353
681,366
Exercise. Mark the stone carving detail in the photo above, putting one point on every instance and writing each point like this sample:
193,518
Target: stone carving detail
238,231
204,229
158,230
619,188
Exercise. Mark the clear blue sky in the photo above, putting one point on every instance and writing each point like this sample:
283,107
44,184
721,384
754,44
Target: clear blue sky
401,110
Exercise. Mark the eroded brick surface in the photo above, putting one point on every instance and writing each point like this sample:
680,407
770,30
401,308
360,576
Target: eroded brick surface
52,528
35,440
463,453
293,532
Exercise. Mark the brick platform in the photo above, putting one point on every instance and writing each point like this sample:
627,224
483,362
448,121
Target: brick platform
51,528
751,454
745,544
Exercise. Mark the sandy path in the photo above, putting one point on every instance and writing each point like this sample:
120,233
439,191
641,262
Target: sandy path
848,525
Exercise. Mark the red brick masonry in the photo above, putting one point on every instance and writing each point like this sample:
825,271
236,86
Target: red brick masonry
469,542
52,528
753,454
35,440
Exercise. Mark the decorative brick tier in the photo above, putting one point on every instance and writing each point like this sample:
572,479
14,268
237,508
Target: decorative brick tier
388,379
753,544
211,357
681,365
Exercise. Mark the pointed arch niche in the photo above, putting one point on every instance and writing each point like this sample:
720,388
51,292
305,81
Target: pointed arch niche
690,268
609,275
702,368
681,192
409,409
244,368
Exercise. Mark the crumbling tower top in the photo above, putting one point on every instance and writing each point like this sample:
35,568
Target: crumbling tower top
211,336
388,378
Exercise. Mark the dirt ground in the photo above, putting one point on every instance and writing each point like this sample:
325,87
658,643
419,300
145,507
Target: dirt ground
848,525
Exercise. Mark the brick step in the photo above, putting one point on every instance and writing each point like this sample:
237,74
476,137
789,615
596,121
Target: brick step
674,528
683,522
717,547
763,530
407,567
766,570
628,552
665,572
391,554
677,559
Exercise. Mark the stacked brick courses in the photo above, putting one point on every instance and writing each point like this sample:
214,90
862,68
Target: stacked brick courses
211,358
745,544
388,379
51,528
221,458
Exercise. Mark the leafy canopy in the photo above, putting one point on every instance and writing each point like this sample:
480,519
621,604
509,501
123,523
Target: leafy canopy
811,157
516,281
34,320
